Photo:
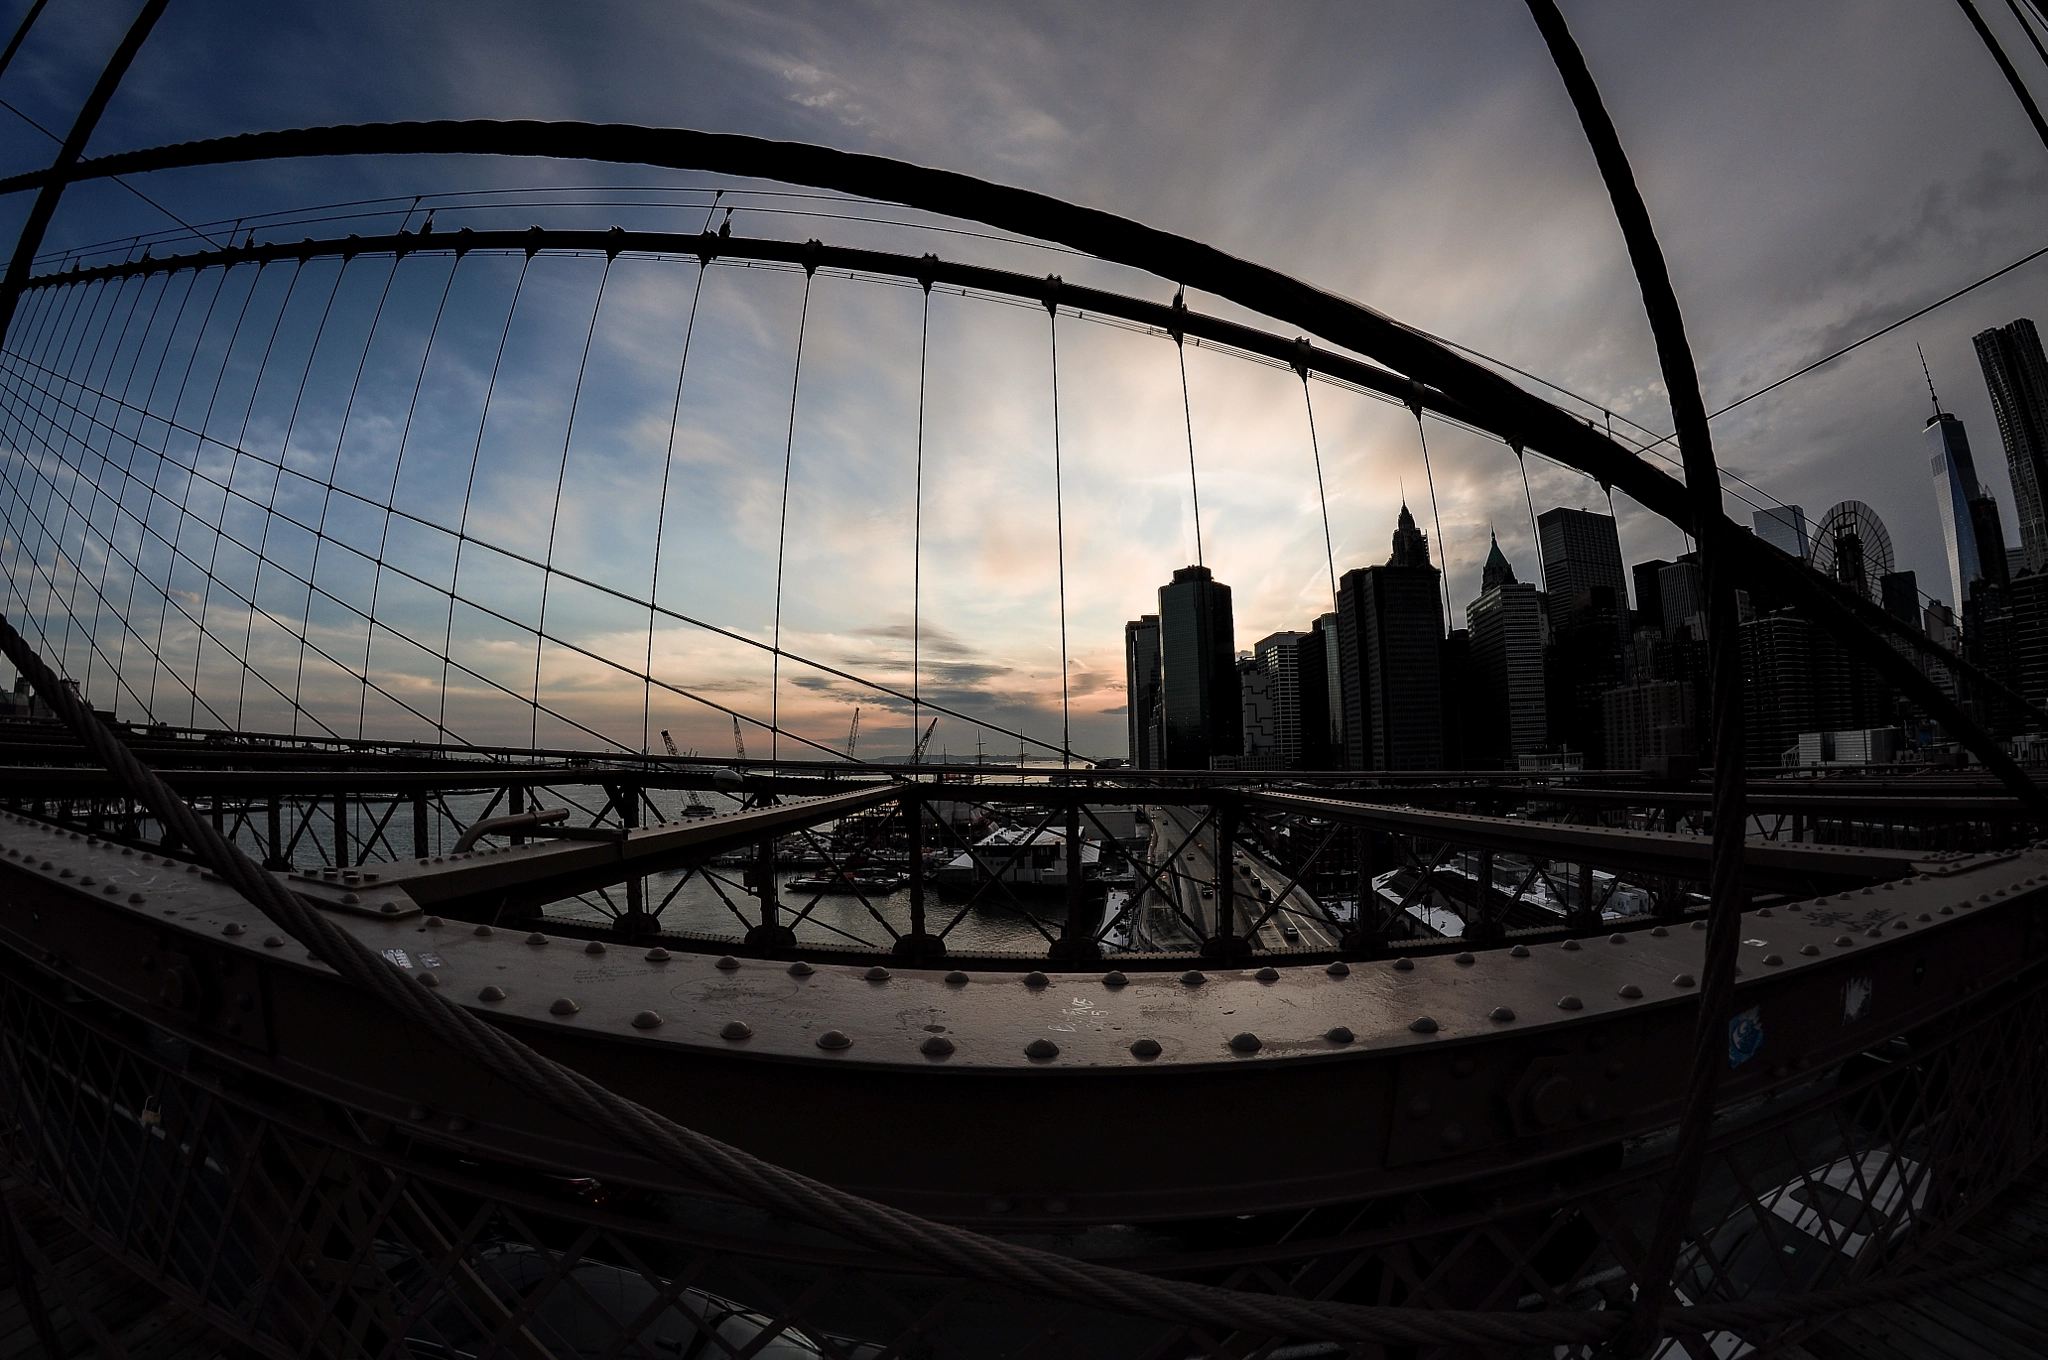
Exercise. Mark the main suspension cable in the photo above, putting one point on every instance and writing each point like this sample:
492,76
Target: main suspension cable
782,529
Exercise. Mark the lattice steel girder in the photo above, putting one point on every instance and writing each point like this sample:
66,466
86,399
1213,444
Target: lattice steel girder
1794,866
1506,1073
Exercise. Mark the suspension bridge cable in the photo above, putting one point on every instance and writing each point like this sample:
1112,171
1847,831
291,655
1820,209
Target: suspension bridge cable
782,528
283,456
391,496
469,489
70,504
1442,548
1059,522
661,507
547,575
348,411
1187,411
135,444
917,539
1322,498
1535,536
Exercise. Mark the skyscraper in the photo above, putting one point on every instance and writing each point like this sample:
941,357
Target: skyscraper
1329,754
1390,628
1506,625
2017,376
1955,488
1684,598
1293,666
1141,687
1198,687
1580,553
1649,598
1782,526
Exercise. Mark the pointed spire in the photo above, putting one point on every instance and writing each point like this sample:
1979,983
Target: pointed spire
1930,384
1498,570
1411,547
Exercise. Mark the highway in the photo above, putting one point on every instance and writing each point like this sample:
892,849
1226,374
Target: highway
1197,874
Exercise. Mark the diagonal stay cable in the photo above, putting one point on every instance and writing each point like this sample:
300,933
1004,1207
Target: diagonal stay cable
782,526
668,463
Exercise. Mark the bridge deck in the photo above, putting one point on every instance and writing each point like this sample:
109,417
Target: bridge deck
2000,1316
138,1318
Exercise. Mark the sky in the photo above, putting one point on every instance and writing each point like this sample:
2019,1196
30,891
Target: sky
1814,172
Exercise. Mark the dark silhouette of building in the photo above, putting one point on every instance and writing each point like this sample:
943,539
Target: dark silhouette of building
1200,697
1900,591
2005,631
2017,376
1460,702
1297,690
1647,722
1582,554
1506,624
1141,688
1777,685
1329,753
1583,661
1649,611
1390,630
1684,596
1994,561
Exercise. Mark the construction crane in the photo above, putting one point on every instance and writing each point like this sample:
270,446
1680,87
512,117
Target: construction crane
917,753
739,743
670,742
853,733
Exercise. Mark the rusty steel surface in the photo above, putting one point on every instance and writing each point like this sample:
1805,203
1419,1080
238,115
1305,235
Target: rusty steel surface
1423,1074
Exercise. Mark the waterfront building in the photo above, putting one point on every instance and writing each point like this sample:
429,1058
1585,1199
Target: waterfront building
1141,688
1390,629
1783,526
1506,626
2017,377
1199,702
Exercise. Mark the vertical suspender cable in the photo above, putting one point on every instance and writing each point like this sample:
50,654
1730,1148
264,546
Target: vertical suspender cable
462,522
1442,550
547,571
2012,77
1187,410
1316,451
1059,520
803,322
1535,535
661,506
917,533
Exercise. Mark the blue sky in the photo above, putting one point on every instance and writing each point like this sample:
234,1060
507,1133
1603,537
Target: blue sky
1814,171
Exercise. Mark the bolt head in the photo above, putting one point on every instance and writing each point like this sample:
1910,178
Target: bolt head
1114,978
1245,1042
1422,1024
877,974
1630,992
563,1005
1267,974
429,979
1035,979
536,938
234,928
1462,960
726,963
1617,938
1699,925
481,930
1339,969
1809,949
273,941
491,993
1501,1013
1773,960
1520,951
1145,1049
1338,1034
656,955
594,947
1685,980
1844,941
1041,1050
1660,932
736,1030
801,969
1570,1003
936,1046
434,921
1404,964
1193,977
956,978
1570,946
646,1020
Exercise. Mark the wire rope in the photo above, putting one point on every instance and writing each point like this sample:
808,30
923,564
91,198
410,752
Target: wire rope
917,541
782,530
547,574
1059,532
661,509
1322,497
469,490
1187,411
1535,536
1442,549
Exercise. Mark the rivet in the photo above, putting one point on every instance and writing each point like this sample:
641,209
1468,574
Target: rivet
1699,925
1844,941
1145,1048
536,938
1772,960
233,928
1809,949
1873,933
656,955
1035,979
1948,911
1630,991
137,899
1404,964
1339,969
1569,1003
956,978
594,947
1422,1024
1899,925
1685,980
726,963
1617,938
429,979
1041,1050
1462,960
1114,978
1500,1013
1267,974
646,1020
937,1046
1338,1035
736,1029
801,969
1570,946
1520,951
273,941
1923,916
1193,977
1766,911
88,881
833,1040
563,1006
481,930
491,993
435,921
1660,932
